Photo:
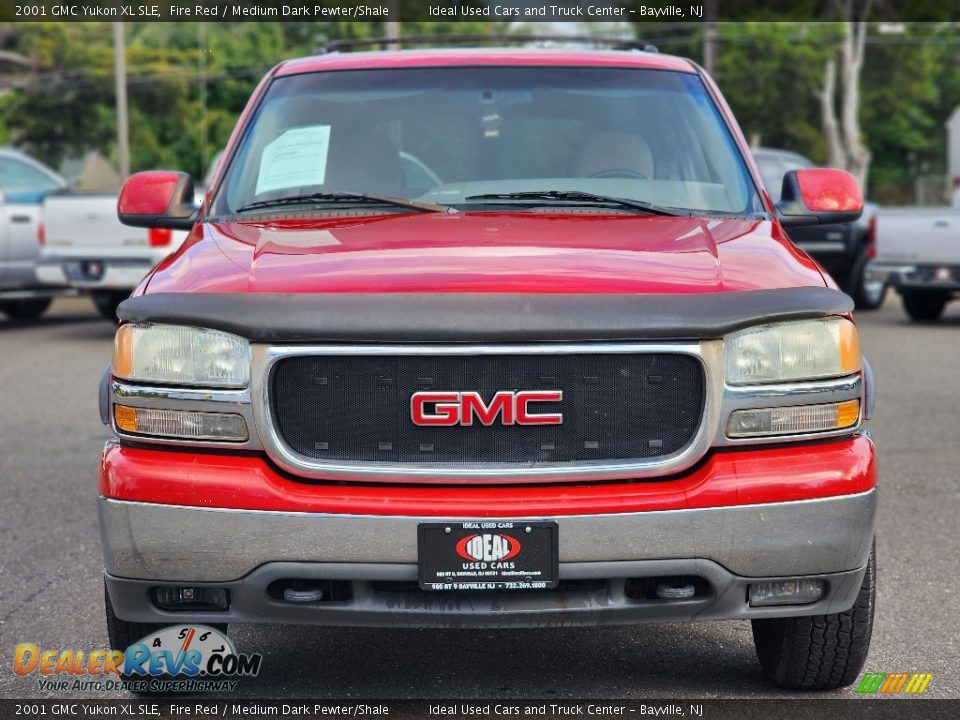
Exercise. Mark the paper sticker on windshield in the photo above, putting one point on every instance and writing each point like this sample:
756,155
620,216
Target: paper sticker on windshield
297,158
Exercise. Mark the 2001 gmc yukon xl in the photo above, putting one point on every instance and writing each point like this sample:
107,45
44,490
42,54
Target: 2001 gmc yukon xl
492,339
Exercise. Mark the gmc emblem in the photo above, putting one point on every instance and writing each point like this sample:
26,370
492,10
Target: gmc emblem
460,408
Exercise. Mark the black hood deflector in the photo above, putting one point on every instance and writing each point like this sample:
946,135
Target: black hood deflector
471,317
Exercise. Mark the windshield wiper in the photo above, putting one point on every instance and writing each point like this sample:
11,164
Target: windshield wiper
345,197
580,196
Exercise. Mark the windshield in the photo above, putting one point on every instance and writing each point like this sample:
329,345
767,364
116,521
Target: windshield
480,138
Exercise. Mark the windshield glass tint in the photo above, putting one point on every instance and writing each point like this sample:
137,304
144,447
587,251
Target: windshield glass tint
442,135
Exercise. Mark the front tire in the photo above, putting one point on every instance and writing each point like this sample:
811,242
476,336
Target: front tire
25,309
123,634
924,305
818,652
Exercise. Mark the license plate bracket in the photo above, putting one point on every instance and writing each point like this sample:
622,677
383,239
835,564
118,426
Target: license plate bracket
488,555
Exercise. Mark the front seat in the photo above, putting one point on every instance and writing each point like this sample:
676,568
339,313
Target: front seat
614,154
363,159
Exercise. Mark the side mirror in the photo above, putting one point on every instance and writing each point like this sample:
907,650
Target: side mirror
158,199
819,196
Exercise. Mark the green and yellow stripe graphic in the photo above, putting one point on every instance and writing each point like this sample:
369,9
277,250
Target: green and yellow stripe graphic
893,683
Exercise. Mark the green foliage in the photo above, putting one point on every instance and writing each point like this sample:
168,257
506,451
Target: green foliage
188,82
770,74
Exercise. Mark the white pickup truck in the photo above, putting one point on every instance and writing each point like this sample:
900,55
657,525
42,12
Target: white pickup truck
88,248
918,254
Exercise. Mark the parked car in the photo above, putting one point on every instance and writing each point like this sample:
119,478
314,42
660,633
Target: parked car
918,253
24,183
843,249
89,249
585,378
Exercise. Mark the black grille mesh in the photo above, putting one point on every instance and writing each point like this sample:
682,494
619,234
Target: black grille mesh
615,407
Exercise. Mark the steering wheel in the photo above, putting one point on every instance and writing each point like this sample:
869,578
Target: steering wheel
619,173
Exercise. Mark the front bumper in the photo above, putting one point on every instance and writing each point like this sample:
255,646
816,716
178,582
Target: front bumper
231,520
171,543
374,557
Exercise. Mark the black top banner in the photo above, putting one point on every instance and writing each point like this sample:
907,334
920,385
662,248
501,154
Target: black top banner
518,11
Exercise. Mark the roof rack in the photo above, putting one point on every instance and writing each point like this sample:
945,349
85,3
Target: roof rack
383,42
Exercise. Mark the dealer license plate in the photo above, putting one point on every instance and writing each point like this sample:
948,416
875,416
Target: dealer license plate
488,555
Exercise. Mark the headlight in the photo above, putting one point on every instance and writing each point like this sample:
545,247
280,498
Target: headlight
174,355
791,351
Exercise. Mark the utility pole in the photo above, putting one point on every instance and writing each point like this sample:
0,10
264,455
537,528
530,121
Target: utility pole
202,72
710,36
393,24
120,79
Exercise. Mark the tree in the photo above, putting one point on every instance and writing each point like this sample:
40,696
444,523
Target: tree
187,84
845,145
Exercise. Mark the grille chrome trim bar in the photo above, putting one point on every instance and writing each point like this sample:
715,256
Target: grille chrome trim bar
709,353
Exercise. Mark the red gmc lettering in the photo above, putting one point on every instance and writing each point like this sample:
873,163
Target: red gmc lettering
446,408
524,417
472,404
512,408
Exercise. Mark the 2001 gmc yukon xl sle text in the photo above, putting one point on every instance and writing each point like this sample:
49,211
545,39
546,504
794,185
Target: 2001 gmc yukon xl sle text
500,338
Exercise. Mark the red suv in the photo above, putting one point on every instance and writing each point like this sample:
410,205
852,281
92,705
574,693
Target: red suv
498,338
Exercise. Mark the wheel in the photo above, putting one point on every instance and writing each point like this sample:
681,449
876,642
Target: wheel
123,634
867,294
107,302
25,309
924,305
818,652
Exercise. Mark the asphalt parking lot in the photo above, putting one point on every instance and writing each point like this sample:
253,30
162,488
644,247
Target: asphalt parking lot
51,593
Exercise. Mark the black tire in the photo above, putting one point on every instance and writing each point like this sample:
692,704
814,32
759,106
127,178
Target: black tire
107,303
123,634
25,309
819,652
924,305
866,294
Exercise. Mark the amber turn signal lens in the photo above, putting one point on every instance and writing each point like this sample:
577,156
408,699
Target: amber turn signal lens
848,413
123,352
849,344
125,417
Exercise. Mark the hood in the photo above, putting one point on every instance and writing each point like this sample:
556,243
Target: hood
531,252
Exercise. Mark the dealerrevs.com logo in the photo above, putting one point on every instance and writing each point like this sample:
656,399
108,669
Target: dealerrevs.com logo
179,658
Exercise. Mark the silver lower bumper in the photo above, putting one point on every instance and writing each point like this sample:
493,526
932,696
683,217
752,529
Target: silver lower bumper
165,542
